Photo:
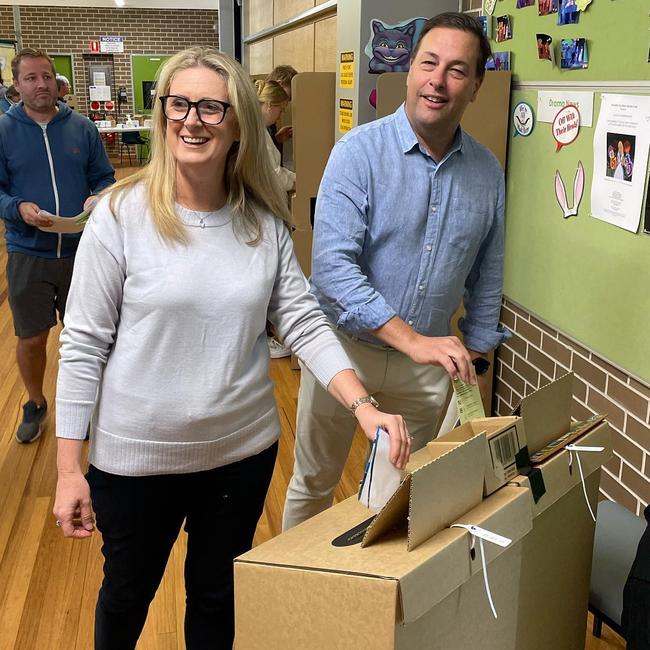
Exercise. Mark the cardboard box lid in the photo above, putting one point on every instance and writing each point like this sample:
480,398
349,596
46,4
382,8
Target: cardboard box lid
547,412
456,470
425,575
559,478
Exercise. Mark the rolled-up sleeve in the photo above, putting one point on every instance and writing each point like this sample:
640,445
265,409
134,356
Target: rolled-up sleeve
484,288
340,227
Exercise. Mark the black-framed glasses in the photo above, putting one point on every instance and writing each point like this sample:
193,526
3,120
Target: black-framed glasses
209,111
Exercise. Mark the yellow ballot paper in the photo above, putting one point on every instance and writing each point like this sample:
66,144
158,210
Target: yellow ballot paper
65,225
468,399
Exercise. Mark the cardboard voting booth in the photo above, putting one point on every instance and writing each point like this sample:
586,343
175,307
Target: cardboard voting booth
408,580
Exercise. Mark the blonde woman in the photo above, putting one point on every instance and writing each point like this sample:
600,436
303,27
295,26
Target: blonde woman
177,272
273,100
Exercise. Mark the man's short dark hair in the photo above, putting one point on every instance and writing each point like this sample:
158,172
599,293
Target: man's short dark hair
29,53
465,23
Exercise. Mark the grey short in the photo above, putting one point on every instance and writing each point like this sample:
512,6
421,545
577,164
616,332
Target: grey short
38,289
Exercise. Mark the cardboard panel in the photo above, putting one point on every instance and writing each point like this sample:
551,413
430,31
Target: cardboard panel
458,475
279,609
547,412
493,100
325,45
286,9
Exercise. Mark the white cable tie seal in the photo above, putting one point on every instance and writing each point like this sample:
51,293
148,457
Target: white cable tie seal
578,449
483,534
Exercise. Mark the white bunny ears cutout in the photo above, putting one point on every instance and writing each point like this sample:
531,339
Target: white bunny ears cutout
578,190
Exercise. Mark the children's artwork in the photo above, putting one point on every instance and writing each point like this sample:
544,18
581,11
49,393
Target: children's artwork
486,23
389,48
504,29
620,156
566,126
568,12
546,7
523,119
574,54
499,61
578,191
488,6
525,3
544,47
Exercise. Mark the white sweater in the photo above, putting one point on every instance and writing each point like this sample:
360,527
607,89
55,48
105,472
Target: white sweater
286,176
169,341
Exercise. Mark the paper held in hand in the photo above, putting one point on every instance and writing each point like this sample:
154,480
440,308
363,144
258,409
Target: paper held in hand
65,225
468,398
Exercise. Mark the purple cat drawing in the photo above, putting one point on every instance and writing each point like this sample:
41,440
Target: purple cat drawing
391,47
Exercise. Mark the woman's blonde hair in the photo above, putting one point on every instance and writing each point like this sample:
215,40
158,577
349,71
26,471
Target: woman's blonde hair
251,182
271,92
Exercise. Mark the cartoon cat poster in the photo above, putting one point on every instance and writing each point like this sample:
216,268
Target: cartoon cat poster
390,46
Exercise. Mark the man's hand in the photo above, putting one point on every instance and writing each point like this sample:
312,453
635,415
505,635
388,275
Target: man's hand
284,134
445,351
30,214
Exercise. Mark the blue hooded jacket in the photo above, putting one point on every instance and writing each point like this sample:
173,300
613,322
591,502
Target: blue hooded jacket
57,169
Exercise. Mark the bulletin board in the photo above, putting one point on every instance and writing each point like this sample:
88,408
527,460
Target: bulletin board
588,278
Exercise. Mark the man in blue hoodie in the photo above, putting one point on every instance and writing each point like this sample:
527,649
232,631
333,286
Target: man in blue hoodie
52,160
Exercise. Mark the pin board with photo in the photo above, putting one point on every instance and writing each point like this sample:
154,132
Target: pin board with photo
583,275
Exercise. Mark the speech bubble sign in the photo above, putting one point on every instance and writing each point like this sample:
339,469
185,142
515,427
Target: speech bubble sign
566,125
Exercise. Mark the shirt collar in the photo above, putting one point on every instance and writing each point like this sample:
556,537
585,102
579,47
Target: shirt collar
409,140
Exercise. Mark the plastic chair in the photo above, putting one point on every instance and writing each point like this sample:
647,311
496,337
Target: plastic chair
618,532
133,139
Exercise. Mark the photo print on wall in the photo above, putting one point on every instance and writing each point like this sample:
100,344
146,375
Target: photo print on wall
546,7
574,54
504,29
525,3
544,47
568,12
620,156
499,61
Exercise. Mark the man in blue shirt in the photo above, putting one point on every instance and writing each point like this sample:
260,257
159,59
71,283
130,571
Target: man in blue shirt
409,224
52,160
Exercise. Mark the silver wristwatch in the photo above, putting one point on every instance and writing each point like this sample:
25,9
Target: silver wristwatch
368,399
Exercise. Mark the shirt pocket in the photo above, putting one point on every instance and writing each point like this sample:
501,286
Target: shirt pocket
470,222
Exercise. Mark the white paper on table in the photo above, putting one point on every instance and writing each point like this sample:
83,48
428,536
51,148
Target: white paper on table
621,145
64,225
381,478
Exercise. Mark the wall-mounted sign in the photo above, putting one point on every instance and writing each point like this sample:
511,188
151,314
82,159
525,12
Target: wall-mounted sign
111,44
345,115
94,47
566,126
550,102
346,75
523,119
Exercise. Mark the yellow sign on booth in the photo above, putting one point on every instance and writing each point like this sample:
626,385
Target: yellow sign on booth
346,76
345,115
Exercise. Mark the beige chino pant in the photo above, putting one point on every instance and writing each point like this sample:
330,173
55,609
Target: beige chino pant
325,428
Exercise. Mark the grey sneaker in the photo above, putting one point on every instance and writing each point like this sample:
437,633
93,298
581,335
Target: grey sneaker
31,427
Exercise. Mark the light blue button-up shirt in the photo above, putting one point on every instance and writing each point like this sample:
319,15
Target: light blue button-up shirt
396,233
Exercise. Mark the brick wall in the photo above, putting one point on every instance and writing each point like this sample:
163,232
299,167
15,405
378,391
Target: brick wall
538,353
145,31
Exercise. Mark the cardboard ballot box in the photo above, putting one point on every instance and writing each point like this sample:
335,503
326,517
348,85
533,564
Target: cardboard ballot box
505,438
556,554
413,583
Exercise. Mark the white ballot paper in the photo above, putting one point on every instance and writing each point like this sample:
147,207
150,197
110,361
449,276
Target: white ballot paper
65,225
381,478
621,142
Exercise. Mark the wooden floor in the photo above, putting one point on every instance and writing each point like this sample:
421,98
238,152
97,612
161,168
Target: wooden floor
48,584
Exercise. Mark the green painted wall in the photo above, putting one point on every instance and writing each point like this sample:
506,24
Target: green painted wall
586,277
63,65
144,68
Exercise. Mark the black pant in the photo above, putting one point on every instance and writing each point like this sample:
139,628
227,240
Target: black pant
140,518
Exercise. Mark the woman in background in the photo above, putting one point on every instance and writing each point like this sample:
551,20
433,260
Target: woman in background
176,274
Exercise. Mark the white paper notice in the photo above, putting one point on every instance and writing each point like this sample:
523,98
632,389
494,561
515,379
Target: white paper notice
66,225
99,93
621,142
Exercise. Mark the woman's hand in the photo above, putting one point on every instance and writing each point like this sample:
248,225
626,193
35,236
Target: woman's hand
72,506
370,418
